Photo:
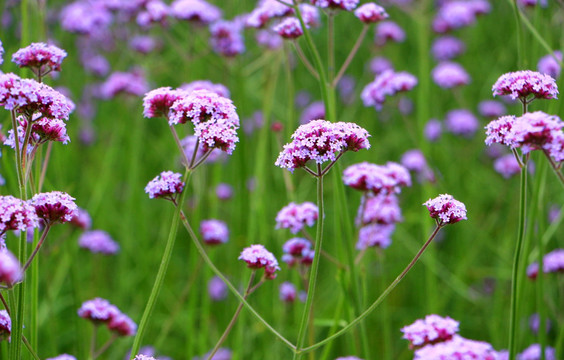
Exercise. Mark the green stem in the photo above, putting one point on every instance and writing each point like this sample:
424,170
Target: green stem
351,55
554,167
540,278
29,348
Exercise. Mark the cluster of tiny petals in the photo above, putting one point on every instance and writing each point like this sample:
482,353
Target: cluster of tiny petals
347,5
431,330
122,325
10,269
100,311
370,13
458,348
157,102
16,214
507,165
297,250
375,235
226,38
266,11
447,48
195,10
553,262
54,207
388,83
377,179
461,122
219,89
536,130
130,83
167,185
5,325
289,28
522,84
498,131
288,292
214,232
450,74
445,209
37,55
458,14
388,31
81,219
98,241
491,109
549,64
381,209
296,216
143,357
320,141
256,257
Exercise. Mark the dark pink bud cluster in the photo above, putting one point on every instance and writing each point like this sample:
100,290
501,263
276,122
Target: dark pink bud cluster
297,250
289,28
40,57
16,214
100,311
257,257
370,13
523,84
168,185
54,207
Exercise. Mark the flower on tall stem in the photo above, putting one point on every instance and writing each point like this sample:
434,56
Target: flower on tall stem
457,348
377,179
296,216
54,207
289,28
257,257
431,330
214,232
446,210
526,86
40,58
370,13
386,84
347,5
167,185
98,241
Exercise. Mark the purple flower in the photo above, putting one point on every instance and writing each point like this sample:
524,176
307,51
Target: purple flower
507,166
10,269
414,160
289,28
549,65
297,250
122,325
381,209
265,11
320,141
157,102
85,17
388,31
457,14
347,5
131,83
224,191
219,89
16,214
5,325
491,109
370,13
81,219
522,84
447,48
314,111
534,323
199,11
42,130
379,64
554,261
296,216
95,64
386,84
449,74
500,131
433,130
40,58
310,15
98,241
214,232
154,11
221,354
288,292
533,352
256,257
377,179
431,330
143,357
62,357
167,185
226,38
189,146
54,207
143,44
457,348
533,270
268,39
217,289
446,210
461,122
98,310
375,235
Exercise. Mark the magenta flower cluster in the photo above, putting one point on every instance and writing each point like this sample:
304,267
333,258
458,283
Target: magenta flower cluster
449,74
10,269
129,83
5,325
446,210
16,214
524,84
552,262
39,55
370,13
167,185
257,257
289,28
265,11
98,241
458,348
199,11
54,207
377,179
100,311
298,251
388,83
431,330
296,216
347,5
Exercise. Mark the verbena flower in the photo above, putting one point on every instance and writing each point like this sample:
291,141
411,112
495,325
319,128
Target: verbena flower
224,191
288,292
447,48
157,102
5,325
491,109
226,38
40,58
321,141
446,210
296,216
265,11
414,160
533,352
54,207
534,323
257,257
524,84
98,311
377,179
198,11
310,15
85,17
461,122
431,330
268,39
433,130
189,146
167,185
554,261
535,130
289,28
130,83
298,250
16,214
81,219
458,14
10,269
449,75
507,166
315,110
458,348
122,325
62,357
388,83
143,357
499,131
98,241
219,89
375,235
217,289
143,44
388,31
370,13
214,232
347,5
379,64
381,209
549,65
153,11
1,53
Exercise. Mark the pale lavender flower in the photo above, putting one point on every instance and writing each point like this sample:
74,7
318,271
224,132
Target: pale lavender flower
96,64
507,166
266,11
81,219
379,64
457,349
98,241
269,39
98,310
449,75
388,31
522,84
5,325
377,179
40,58
131,83
221,354
554,261
217,289
533,270
168,185
85,17
533,352
226,38
347,5
10,269
549,65
256,257
143,357
122,325
189,145
42,130
553,213
491,109
348,358
370,13
143,44
458,14
433,130
314,111
224,191
214,232
54,207
296,216
346,88
198,11
446,210
62,357
461,122
298,250
16,214
388,83
447,48
288,292
157,102
431,330
381,209
543,3
375,235
414,160
310,15
320,141
289,28
219,89
154,11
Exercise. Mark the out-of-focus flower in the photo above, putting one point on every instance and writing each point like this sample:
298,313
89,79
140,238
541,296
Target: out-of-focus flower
219,89
414,160
457,348
534,323
388,31
314,111
433,130
549,65
81,219
214,232
10,269
226,38
386,84
507,166
143,44
458,14
54,207
370,13
289,28
85,17
98,241
122,325
446,210
461,122
347,5
379,64
266,11
533,352
198,11
296,216
16,214
98,310
381,209
449,74
131,83
224,191
62,357
297,251
217,289
377,179
491,109
375,235
256,257
288,292
168,185
5,325
447,48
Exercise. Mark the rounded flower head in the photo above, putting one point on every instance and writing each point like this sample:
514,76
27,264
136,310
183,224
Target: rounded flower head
81,219
98,310
219,89
10,270
549,65
198,11
62,357
256,257
157,102
348,5
375,235
499,131
458,348
554,261
377,179
130,83
224,191
54,207
321,141
217,289
461,122
371,13
296,216
16,214
5,325
431,330
433,130
289,28
535,130
214,232
266,11
315,110
507,166
167,185
449,75
40,58
143,357
522,84
122,325
288,292
388,83
388,31
226,38
446,210
297,250
98,241
447,48
533,352
381,209
491,109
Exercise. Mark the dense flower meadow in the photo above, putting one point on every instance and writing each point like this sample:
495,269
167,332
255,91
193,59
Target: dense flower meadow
344,180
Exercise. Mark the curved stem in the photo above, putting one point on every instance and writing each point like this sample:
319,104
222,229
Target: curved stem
351,55
29,348
179,145
304,60
105,347
554,167
39,244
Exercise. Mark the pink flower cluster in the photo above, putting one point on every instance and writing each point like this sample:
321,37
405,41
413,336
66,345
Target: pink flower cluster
219,89
446,210
100,311
449,75
54,207
377,179
265,11
321,141
289,28
297,251
257,257
458,14
458,348
447,48
214,232
523,84
5,325
370,13
168,185
388,31
375,235
431,330
98,241
16,214
10,269
347,5
296,216
199,11
130,83
533,352
226,38
157,102
40,57
388,83
380,209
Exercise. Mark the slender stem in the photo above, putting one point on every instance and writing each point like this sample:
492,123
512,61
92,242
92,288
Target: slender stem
310,171
249,290
515,272
326,170
541,308
314,267
554,167
517,157
378,301
105,347
29,348
179,145
93,341
3,300
351,55
304,60
39,244
27,138
202,159
44,166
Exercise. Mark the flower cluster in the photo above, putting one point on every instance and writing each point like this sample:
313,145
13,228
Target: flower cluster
549,64
217,289
381,209
219,89
386,84
226,38
457,348
288,292
370,13
533,352
85,17
214,232
491,109
446,210
296,216
347,5
461,122
54,207
507,165
5,325
431,330
449,75
458,14
98,241
256,257
388,31
10,270
321,141
199,11
266,11
375,235
16,214
522,84
289,28
552,262
100,311
414,160
447,47
377,179
168,185
297,251
157,102
40,58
